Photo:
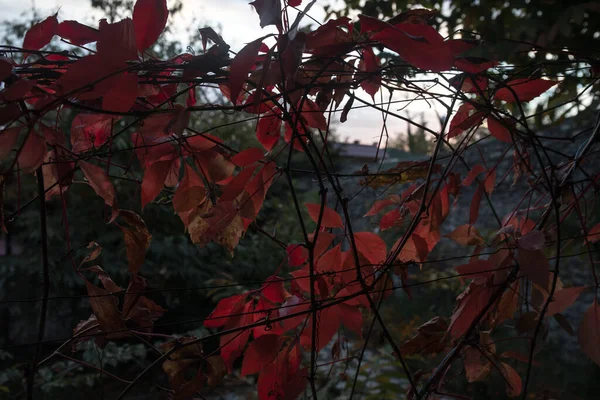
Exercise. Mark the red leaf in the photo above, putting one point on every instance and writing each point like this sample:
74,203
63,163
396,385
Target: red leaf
189,194
6,68
525,89
513,380
490,181
466,235
90,131
236,186
499,130
121,97
563,299
273,290
371,246
40,34
149,20
381,204
8,138
475,203
473,172
313,115
247,157
533,240
154,180
463,120
476,269
470,304
370,65
297,255
294,3
331,219
98,180
589,333
260,353
268,130
224,310
390,219
33,153
241,64
535,266
117,41
77,33
594,234
418,44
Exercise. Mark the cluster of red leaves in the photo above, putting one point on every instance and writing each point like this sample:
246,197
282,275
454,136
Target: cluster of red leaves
218,192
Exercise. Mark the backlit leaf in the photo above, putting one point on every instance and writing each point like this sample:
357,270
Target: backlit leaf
241,64
149,20
40,34
525,89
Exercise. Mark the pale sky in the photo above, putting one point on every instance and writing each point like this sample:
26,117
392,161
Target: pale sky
238,24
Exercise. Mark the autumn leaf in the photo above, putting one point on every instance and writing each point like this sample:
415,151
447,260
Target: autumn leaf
371,246
8,138
32,154
403,172
466,117
535,266
221,224
420,45
589,333
525,89
123,94
247,157
369,64
514,384
149,20
106,310
137,239
594,234
98,180
260,353
499,129
154,180
330,218
466,235
241,64
431,338
40,35
563,299
77,33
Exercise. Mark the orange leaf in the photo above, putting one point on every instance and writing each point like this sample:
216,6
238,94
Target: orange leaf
466,235
563,299
98,180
